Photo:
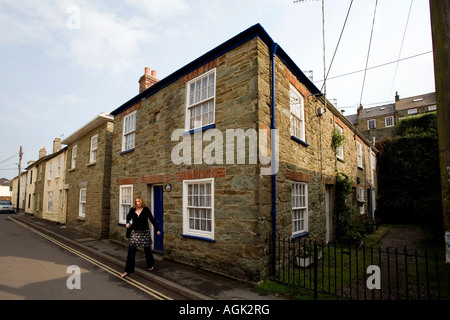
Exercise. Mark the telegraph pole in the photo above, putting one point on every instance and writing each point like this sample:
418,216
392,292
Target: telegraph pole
18,179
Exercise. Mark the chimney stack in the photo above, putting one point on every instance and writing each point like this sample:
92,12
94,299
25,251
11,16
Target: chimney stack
42,153
56,145
147,80
358,111
397,97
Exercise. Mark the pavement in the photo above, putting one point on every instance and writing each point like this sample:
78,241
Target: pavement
192,283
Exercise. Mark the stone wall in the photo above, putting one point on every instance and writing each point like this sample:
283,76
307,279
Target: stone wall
95,177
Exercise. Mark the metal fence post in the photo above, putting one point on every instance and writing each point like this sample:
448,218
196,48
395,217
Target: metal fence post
315,269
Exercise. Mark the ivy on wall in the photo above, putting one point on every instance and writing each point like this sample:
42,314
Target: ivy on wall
343,190
337,139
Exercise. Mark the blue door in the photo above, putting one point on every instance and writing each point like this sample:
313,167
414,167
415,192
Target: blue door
158,213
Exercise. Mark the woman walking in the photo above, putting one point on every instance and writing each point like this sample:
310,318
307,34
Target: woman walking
137,222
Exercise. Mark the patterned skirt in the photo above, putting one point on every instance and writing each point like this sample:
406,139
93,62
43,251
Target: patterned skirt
140,238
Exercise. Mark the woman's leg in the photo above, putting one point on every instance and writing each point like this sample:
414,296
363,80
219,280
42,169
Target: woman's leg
149,258
131,259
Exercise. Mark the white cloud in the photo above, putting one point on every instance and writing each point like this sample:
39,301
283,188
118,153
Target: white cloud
24,22
105,42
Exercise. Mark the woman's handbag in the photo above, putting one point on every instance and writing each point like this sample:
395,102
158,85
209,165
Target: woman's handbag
128,234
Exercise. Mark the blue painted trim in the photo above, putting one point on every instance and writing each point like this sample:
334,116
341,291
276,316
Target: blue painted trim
127,151
299,141
303,234
197,238
273,51
209,126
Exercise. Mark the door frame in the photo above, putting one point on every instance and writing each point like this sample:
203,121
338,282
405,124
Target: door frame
152,191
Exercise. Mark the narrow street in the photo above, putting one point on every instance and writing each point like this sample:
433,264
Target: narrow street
33,266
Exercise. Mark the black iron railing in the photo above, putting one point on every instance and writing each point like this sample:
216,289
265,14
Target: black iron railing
356,272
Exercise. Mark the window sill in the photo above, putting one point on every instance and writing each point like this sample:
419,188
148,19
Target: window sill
81,218
127,151
197,238
207,127
299,141
91,164
300,235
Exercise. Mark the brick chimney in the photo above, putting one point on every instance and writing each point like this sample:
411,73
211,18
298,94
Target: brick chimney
42,153
147,80
397,97
56,145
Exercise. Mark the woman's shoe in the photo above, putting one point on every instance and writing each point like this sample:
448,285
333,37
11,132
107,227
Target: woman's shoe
151,269
124,275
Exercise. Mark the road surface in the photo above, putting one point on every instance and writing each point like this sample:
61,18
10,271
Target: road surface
34,266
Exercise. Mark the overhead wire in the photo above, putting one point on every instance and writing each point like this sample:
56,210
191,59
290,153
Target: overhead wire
368,51
401,48
377,66
337,45
9,158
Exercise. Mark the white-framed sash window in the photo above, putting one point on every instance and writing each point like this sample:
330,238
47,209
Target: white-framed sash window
359,154
126,202
129,131
200,101
361,199
299,202
198,208
389,121
74,157
93,149
297,113
82,207
50,202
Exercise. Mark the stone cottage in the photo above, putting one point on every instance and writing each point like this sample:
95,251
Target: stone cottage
231,147
49,192
88,176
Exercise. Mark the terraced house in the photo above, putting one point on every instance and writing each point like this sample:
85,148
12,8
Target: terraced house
88,176
233,146
49,193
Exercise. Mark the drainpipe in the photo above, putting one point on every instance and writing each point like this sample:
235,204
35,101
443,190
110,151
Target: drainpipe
273,157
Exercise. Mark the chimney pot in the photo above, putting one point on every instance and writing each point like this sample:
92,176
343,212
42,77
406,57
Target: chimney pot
147,80
42,153
56,145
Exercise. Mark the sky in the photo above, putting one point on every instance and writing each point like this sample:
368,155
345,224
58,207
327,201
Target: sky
62,62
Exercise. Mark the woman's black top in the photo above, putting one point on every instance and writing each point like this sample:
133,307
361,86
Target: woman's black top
141,222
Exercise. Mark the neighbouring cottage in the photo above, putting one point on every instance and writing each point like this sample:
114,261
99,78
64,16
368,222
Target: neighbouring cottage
49,195
379,122
88,177
233,146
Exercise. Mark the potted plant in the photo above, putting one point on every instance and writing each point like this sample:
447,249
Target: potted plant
306,255
352,237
